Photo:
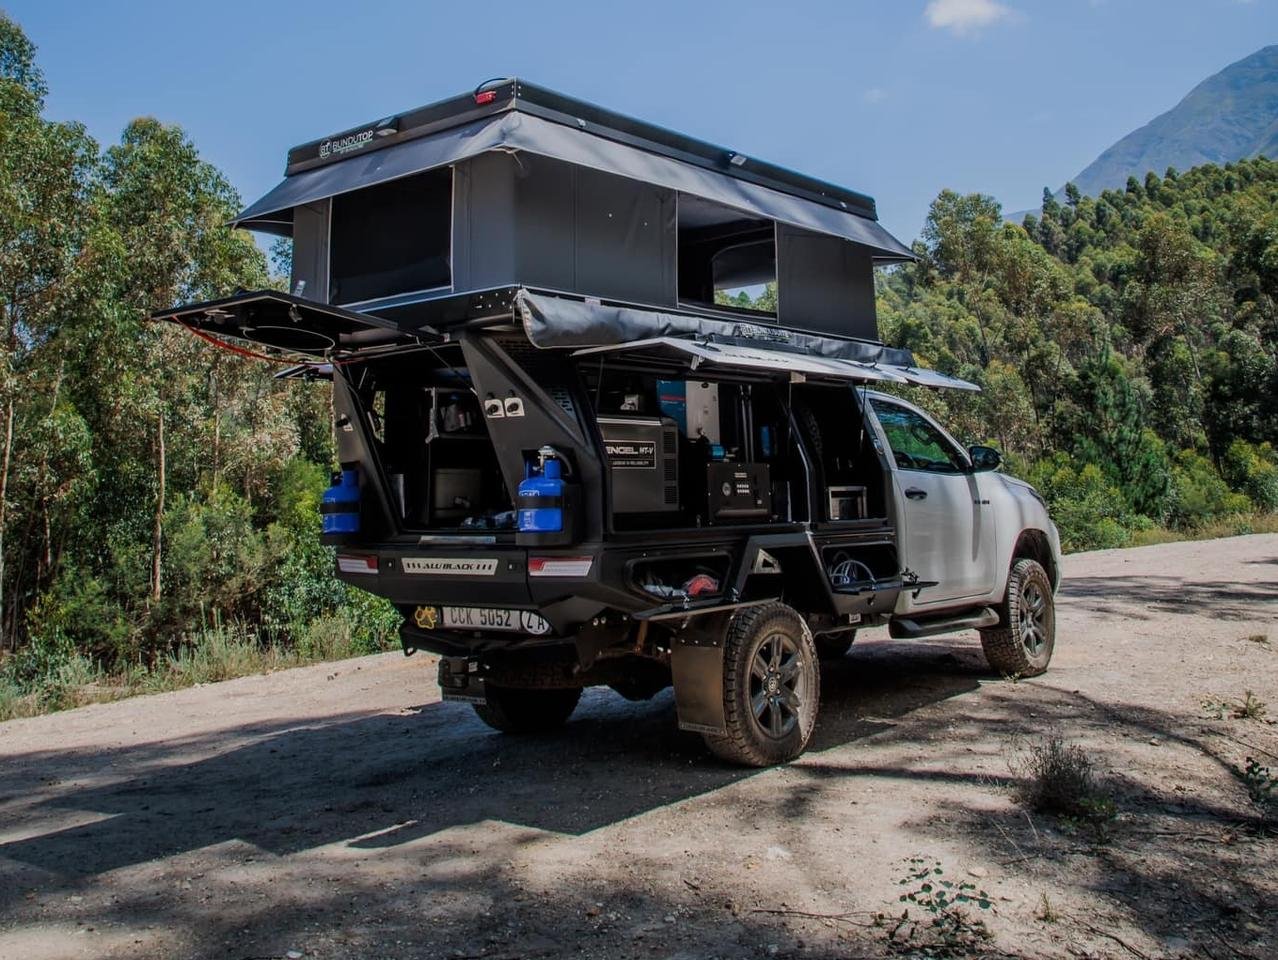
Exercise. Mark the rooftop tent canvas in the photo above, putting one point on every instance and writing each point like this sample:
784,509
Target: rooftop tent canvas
519,187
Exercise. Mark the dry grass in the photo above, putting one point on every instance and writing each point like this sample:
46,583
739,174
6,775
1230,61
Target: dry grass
1059,778
219,652
1236,526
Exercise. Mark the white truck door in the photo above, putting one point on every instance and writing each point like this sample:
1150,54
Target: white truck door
945,523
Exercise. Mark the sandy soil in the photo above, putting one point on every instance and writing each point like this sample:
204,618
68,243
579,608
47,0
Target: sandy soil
342,811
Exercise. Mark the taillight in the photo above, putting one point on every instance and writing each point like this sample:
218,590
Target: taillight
559,566
350,563
485,96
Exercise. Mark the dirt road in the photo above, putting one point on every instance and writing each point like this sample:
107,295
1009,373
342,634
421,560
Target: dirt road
342,811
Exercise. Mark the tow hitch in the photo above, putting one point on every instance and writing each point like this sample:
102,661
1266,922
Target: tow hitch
459,680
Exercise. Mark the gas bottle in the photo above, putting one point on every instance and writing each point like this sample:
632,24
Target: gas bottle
339,507
546,502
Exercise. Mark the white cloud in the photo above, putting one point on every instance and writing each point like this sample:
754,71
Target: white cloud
874,95
964,16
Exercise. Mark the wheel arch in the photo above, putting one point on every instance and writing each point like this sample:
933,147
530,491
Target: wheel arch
1033,544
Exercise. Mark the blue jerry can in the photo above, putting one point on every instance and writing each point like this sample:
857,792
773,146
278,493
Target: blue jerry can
541,499
339,507
546,503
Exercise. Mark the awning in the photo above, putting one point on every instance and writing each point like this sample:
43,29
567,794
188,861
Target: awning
593,328
552,321
930,378
518,131
728,357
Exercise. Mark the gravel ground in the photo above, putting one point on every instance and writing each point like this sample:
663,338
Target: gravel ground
343,811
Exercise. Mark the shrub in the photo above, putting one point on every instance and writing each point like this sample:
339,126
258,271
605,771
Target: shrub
1199,493
1089,511
1060,779
213,558
1252,469
48,670
76,614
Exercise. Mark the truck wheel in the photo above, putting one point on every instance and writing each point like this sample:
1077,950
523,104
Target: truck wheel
771,687
515,710
834,646
1021,645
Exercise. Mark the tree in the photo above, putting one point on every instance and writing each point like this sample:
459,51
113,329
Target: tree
1112,433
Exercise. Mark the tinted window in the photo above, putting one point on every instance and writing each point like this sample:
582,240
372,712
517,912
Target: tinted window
392,238
915,443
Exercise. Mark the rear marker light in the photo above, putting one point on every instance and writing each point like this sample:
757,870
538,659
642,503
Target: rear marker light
350,564
485,96
559,566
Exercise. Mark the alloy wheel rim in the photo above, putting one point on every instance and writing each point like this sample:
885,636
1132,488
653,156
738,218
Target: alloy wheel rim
1032,618
778,686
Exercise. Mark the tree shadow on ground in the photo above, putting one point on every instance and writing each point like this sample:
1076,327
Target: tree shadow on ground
381,780
1190,868
1134,596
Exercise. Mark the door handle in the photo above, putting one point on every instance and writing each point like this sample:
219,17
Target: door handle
914,493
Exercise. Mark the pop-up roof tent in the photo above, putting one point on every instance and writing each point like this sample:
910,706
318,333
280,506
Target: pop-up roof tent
589,228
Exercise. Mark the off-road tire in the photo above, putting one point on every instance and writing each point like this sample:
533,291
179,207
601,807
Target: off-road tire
749,738
1022,643
834,646
513,710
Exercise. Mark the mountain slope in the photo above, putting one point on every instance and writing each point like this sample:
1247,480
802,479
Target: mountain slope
1229,116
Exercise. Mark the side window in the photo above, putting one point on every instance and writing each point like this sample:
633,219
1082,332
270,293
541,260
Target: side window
915,443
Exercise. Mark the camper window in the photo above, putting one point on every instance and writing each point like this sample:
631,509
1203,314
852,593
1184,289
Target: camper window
726,258
391,239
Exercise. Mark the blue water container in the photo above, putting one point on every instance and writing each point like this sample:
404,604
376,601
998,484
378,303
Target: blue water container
339,507
546,503
541,499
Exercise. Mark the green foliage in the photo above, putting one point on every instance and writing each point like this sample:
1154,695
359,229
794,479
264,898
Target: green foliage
1199,493
158,499
1252,469
950,929
1089,510
1136,332
1262,786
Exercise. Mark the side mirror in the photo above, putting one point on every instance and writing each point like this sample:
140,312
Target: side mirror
984,459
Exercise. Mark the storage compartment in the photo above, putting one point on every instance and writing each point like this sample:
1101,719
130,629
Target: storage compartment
847,502
431,441
696,453
677,580
847,470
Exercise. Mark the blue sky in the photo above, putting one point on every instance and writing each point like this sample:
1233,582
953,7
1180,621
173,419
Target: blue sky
896,98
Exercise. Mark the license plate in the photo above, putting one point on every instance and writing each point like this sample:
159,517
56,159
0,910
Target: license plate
495,618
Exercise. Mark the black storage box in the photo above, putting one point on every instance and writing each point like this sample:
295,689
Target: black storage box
739,491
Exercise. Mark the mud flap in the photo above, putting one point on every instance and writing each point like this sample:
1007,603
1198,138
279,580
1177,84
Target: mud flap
696,665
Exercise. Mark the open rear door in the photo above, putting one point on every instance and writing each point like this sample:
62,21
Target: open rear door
291,324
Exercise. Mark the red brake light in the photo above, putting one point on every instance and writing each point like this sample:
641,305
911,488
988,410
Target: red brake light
559,566
485,96
348,563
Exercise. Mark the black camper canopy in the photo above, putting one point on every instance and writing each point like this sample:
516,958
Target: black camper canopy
593,232
514,116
